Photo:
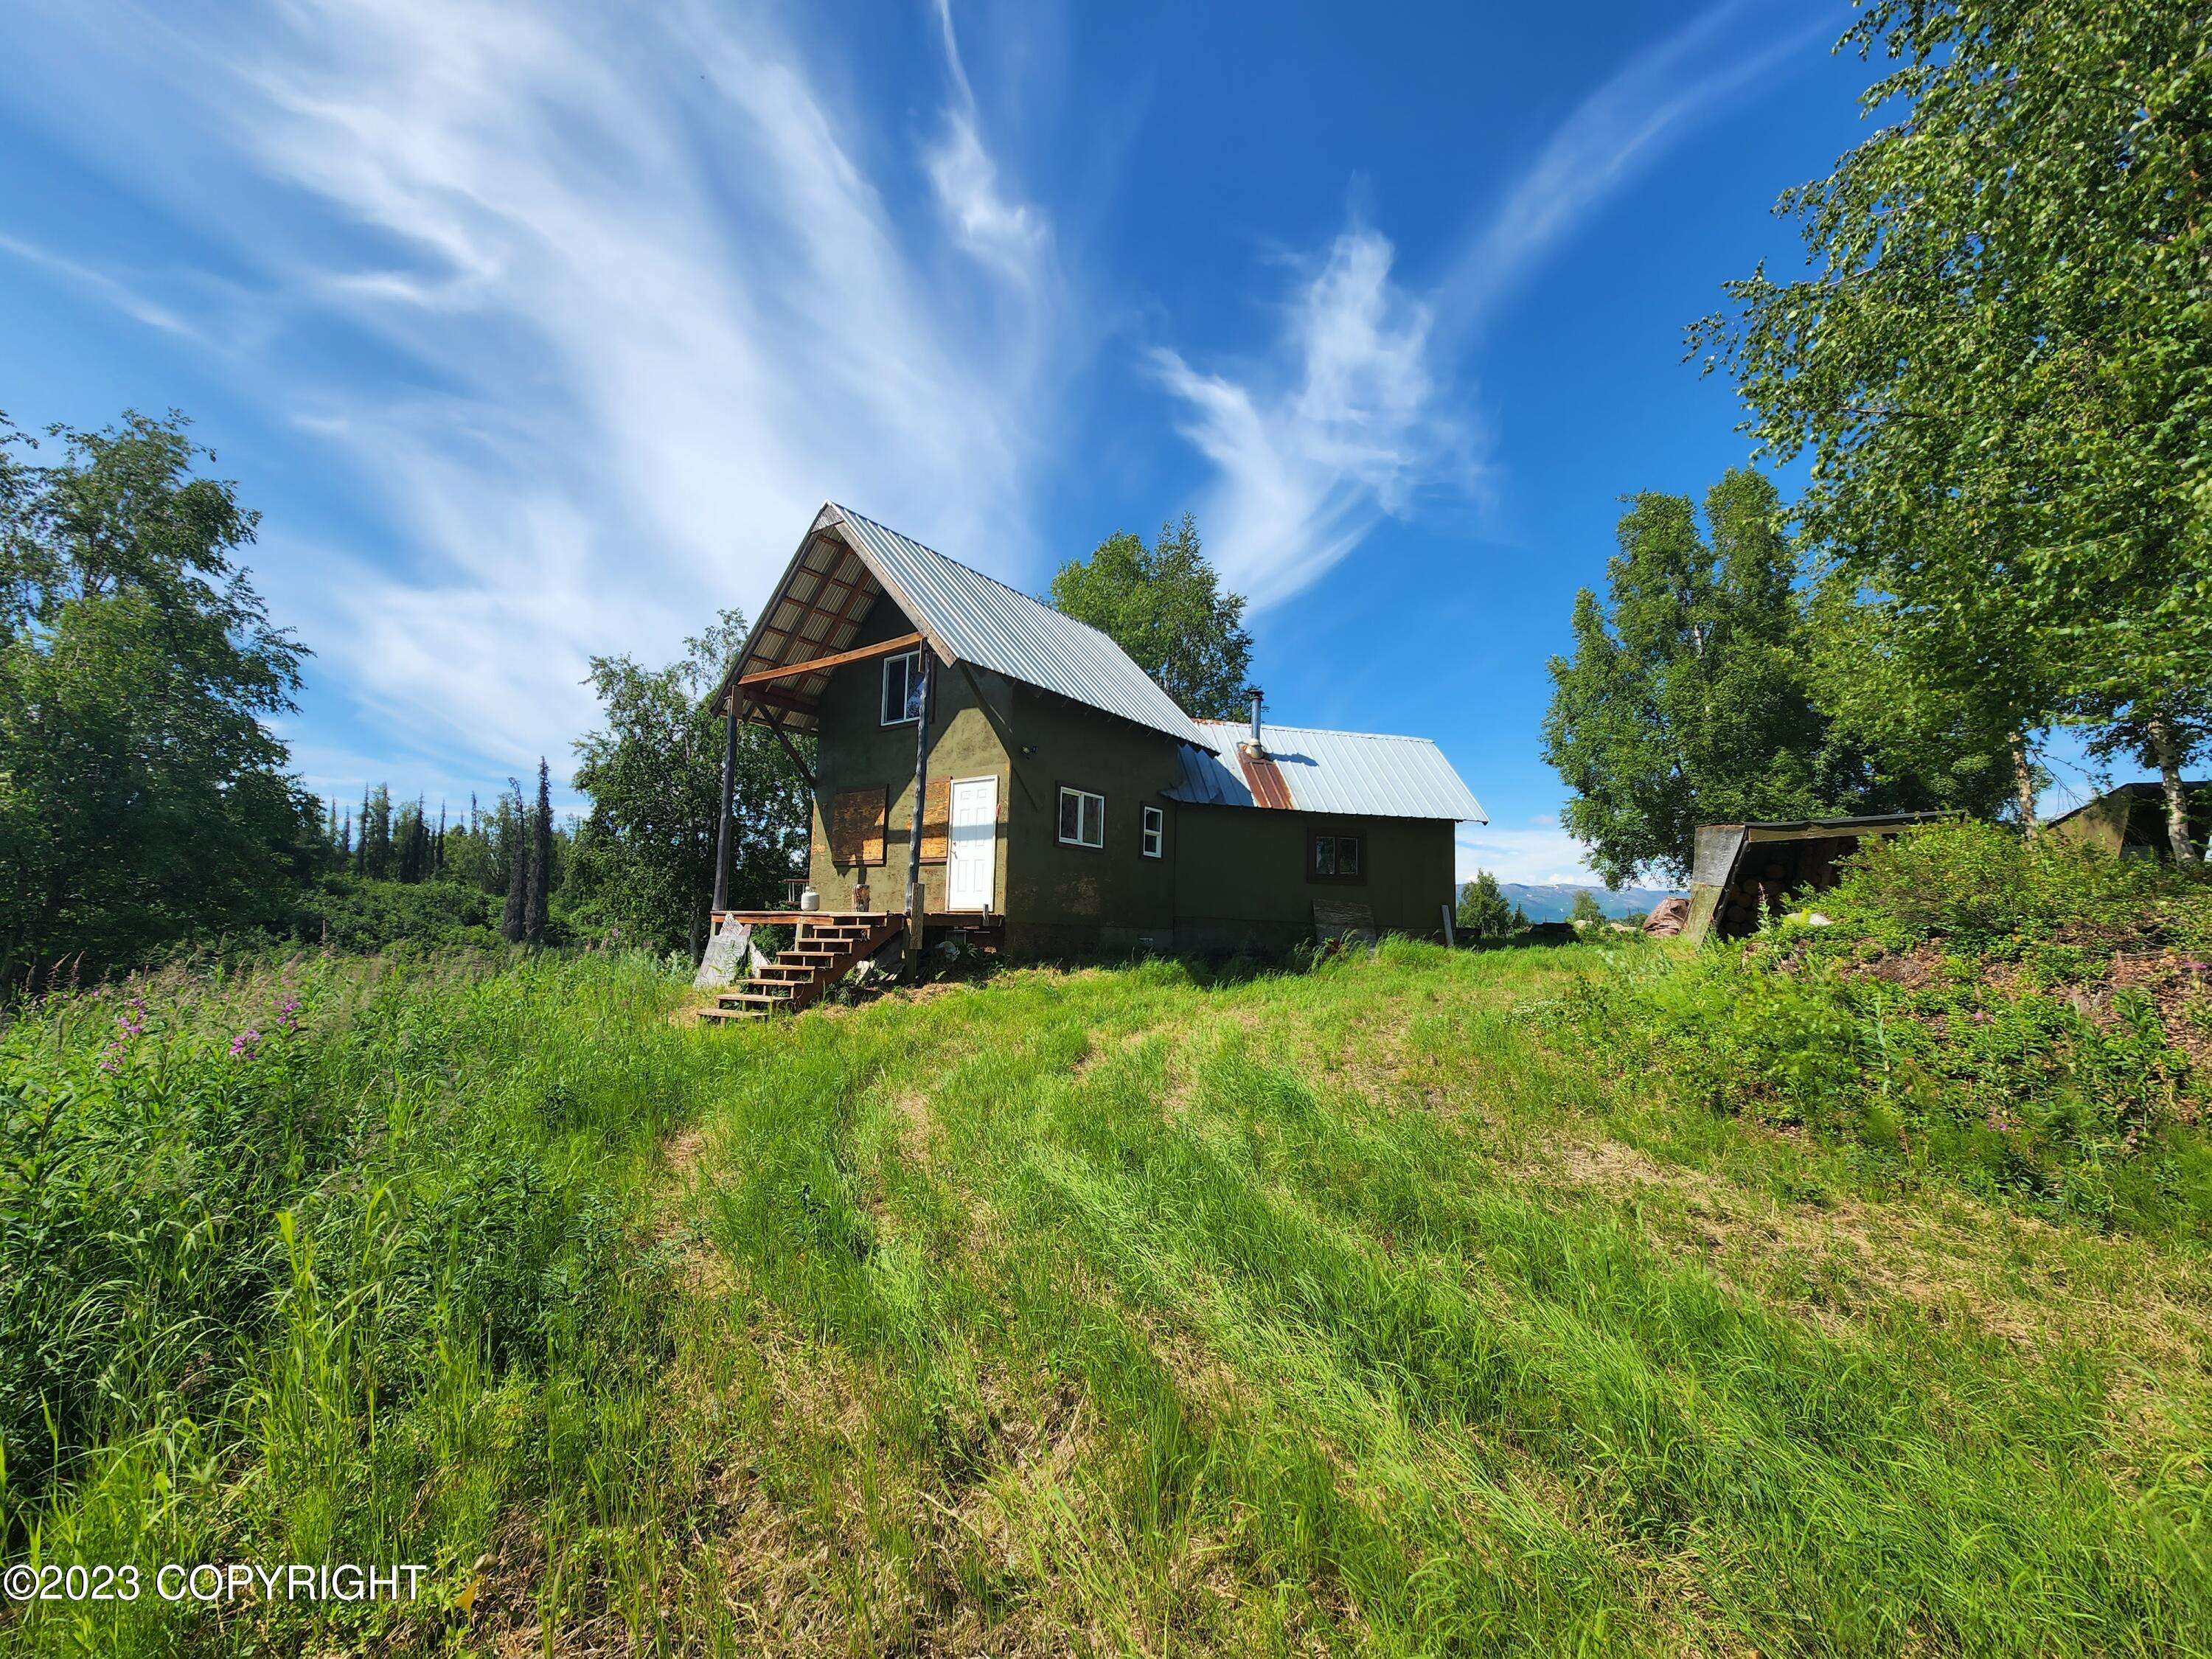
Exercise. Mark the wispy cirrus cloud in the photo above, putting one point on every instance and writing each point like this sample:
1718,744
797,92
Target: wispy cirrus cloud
1339,425
1014,236
632,292
122,295
1657,98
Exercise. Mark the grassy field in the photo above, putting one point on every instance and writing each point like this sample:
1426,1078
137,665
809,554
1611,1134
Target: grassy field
1372,1308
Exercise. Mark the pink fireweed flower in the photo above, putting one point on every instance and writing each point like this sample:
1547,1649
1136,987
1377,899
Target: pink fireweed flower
288,1013
243,1045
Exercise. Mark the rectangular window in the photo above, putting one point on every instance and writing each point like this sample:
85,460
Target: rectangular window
1155,831
1336,858
902,688
1082,819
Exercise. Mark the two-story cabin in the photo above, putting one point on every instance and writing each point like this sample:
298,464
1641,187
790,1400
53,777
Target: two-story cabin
1066,802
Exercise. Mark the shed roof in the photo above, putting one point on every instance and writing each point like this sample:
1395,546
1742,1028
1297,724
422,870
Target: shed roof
1355,773
2140,790
966,615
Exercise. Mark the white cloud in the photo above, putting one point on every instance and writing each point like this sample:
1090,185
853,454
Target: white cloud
1539,855
624,297
1653,100
1341,427
1010,236
110,290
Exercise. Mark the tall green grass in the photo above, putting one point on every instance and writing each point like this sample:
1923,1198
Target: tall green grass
1369,1308
330,1262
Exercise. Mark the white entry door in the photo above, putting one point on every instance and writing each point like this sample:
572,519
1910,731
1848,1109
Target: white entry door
973,855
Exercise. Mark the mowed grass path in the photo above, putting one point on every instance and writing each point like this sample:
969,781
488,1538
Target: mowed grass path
1358,1311
1366,1309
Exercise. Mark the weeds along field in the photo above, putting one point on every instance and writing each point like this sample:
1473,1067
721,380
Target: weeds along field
1424,1302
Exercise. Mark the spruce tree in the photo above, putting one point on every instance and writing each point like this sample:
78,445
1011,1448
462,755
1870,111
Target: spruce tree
512,919
541,859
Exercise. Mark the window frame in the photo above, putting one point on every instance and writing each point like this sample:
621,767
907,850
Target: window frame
912,661
1337,839
1152,832
1059,817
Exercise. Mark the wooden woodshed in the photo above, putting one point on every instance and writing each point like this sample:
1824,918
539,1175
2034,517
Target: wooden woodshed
1742,871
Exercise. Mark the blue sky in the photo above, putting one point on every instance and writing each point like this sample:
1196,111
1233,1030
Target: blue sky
539,331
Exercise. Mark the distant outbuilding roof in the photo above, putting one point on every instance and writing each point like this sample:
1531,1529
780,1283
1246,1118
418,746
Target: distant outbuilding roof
1354,773
845,559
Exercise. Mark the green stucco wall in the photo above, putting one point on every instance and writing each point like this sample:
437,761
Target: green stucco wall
857,750
1240,880
1079,898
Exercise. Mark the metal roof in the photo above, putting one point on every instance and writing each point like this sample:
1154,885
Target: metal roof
1354,773
969,616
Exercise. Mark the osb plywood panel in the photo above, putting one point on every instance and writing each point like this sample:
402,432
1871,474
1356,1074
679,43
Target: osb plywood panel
856,826
937,820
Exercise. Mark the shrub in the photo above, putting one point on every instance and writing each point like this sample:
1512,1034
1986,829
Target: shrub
1982,889
2020,1018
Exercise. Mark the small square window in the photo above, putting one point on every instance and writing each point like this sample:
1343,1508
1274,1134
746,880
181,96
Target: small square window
1082,819
1156,831
902,688
1336,858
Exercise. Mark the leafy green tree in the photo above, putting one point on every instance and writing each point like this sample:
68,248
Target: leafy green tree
1483,910
142,798
1585,910
1164,605
2000,365
1712,690
644,859
1905,733
1688,700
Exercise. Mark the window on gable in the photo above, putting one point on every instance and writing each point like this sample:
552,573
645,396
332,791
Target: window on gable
902,688
1336,858
1155,831
1082,819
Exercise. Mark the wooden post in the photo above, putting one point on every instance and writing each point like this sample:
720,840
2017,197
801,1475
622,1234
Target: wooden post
916,907
1450,943
729,787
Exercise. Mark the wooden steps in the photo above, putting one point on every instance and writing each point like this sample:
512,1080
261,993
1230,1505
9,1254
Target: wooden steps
825,947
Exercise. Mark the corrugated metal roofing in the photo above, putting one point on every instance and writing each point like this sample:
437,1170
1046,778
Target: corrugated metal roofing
985,623
1355,773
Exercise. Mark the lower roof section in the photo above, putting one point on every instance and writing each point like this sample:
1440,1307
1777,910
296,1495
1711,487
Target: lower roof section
1357,774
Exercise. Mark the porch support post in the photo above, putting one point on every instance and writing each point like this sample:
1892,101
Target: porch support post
722,825
916,906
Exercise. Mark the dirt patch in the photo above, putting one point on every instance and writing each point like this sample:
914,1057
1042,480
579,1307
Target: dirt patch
681,1152
917,1127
